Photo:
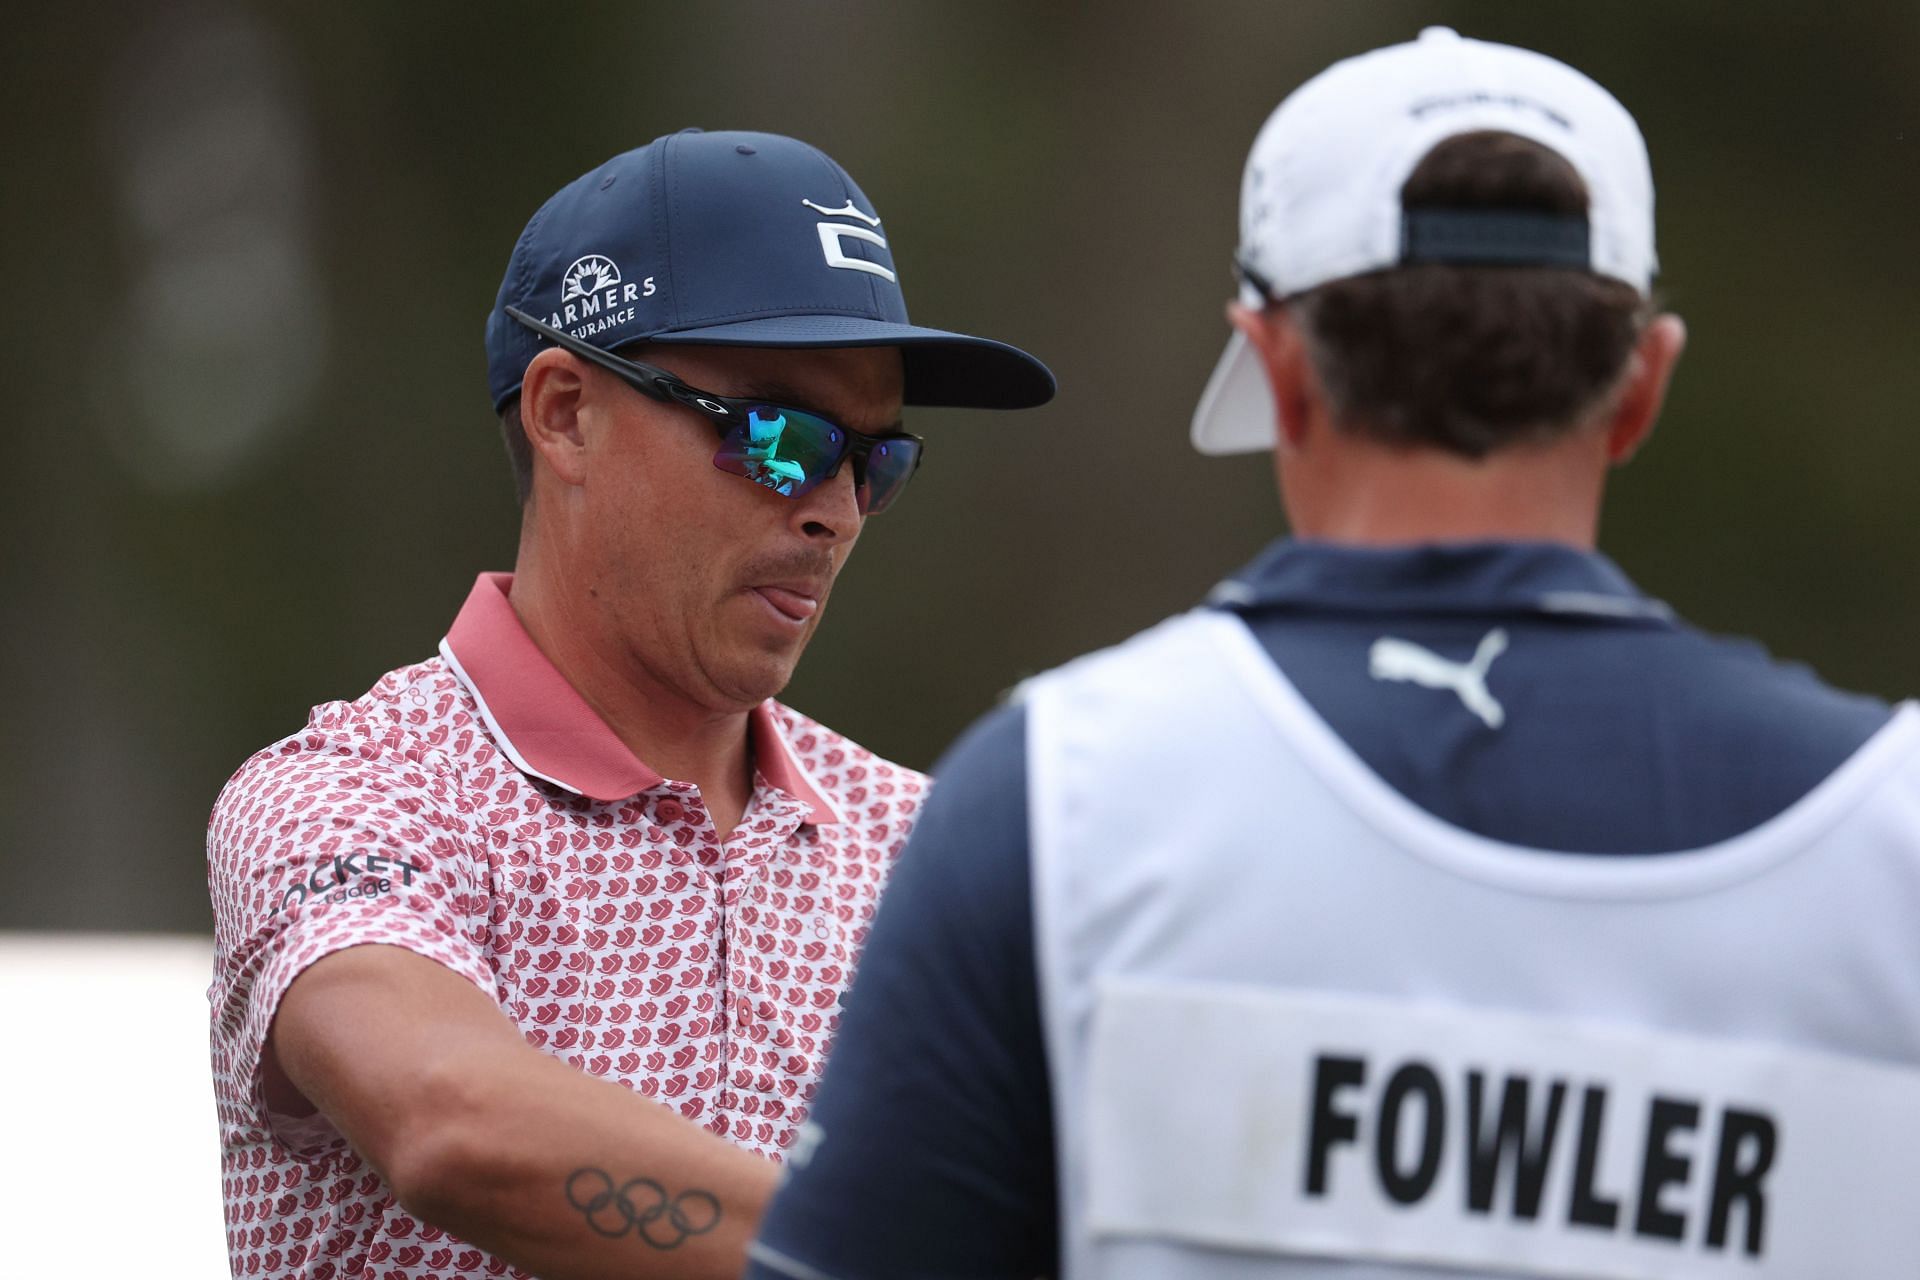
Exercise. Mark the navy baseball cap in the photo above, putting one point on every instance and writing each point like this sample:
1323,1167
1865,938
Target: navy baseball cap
733,239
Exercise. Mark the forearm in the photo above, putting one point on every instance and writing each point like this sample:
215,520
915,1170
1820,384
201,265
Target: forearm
567,1176
485,1136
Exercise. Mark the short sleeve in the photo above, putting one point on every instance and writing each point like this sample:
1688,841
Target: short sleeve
316,845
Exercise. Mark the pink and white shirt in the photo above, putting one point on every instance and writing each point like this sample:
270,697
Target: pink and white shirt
475,810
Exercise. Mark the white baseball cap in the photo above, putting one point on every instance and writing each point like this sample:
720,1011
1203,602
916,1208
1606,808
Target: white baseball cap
1320,200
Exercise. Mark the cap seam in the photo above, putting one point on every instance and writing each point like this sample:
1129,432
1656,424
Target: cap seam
524,283
840,180
521,287
664,217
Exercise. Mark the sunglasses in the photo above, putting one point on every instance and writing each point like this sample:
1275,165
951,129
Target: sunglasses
790,451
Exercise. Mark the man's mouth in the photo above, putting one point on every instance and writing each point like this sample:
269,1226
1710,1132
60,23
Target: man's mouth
794,601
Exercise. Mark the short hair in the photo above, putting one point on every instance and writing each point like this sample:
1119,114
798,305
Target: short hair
1472,359
519,449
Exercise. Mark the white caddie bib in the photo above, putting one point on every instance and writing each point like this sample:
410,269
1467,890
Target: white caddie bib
1331,1126
1299,1027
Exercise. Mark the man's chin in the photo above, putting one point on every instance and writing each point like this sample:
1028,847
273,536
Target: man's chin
758,653
751,678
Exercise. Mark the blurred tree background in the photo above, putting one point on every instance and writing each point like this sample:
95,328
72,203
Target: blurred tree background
251,249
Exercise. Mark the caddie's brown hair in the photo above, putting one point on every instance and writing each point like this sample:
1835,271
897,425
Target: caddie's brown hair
1471,359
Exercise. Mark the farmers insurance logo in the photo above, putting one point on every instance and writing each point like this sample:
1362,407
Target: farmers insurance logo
833,233
593,297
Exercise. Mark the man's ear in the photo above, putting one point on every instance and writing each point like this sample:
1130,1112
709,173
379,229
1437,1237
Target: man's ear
1643,387
551,397
1276,340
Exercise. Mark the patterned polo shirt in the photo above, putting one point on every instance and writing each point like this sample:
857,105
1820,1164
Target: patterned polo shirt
475,810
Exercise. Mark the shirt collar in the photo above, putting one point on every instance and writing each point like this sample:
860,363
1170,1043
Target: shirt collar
1460,577
774,757
546,728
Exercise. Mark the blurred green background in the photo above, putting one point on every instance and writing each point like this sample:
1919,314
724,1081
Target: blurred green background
251,463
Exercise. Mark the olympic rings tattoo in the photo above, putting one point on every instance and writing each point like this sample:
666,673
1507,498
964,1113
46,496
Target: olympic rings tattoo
642,1206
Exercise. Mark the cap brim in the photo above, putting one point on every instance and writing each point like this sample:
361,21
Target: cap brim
955,370
1236,411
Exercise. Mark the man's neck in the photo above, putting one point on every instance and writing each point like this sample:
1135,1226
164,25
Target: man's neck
670,733
1369,495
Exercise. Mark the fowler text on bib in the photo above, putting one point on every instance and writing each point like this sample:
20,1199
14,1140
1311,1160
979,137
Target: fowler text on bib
1319,1125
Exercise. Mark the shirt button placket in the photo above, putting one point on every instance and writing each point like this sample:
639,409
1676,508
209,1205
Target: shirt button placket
709,858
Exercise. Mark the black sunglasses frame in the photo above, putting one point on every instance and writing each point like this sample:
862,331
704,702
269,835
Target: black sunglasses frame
727,414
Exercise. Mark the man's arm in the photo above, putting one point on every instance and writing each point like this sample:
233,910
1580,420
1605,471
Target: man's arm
481,1134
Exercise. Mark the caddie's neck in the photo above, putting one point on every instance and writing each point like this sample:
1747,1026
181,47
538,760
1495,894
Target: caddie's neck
1341,483
1344,488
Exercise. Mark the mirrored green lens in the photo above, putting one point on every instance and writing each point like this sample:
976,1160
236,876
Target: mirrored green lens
785,450
889,465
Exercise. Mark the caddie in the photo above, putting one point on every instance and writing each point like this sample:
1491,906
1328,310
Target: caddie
1430,902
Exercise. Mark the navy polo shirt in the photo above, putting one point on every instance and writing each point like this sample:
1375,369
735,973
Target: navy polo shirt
1601,724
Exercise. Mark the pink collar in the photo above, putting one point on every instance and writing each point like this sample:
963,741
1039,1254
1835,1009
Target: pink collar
547,729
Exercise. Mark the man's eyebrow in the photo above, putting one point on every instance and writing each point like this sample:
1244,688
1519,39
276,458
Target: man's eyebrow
781,393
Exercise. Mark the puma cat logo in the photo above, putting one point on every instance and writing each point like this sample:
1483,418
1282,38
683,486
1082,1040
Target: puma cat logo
1402,660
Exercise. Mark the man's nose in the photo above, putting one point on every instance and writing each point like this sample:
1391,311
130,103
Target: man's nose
830,514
